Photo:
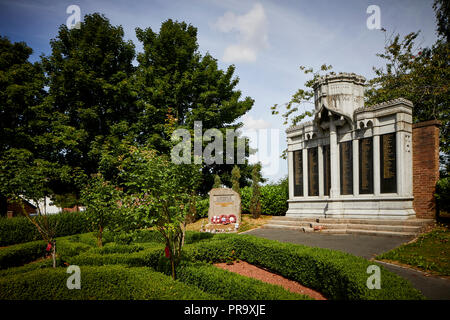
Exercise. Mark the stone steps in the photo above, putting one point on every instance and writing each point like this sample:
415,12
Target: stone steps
380,227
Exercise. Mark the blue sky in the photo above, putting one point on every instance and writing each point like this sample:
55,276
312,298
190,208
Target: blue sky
266,40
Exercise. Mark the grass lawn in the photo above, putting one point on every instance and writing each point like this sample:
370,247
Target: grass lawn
429,252
247,223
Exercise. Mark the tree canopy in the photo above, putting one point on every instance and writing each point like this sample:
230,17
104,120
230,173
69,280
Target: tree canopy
81,107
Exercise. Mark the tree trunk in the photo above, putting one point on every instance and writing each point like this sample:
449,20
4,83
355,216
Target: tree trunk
54,254
100,237
172,262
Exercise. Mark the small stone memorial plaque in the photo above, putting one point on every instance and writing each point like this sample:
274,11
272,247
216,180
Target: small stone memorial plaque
224,214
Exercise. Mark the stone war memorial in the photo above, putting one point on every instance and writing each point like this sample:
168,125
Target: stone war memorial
355,162
224,214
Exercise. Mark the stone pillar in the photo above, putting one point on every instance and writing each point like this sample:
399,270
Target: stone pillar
355,149
376,162
334,161
320,159
425,146
305,171
291,174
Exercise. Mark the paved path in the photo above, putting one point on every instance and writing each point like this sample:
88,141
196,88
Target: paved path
367,247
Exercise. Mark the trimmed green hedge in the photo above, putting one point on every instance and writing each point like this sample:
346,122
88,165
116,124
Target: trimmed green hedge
335,274
232,286
105,283
20,229
18,255
148,257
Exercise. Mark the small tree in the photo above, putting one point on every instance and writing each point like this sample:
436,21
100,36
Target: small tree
160,194
24,178
217,181
255,201
101,199
235,176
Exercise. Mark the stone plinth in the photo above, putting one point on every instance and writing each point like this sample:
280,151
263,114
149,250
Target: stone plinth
224,214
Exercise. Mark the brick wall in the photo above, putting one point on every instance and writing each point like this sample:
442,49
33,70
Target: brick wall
425,167
16,208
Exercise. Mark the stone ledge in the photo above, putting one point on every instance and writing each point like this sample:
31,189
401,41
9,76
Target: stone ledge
428,123
385,104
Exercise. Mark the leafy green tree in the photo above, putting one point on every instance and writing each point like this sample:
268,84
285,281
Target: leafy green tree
89,93
101,199
22,177
301,104
21,93
235,176
217,182
174,79
442,10
255,201
420,75
160,195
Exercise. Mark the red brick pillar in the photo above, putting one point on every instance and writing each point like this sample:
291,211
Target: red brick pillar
425,138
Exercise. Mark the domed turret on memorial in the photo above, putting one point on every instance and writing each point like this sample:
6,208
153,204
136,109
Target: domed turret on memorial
351,160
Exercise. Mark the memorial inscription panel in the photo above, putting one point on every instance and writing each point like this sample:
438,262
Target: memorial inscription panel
388,163
326,170
346,167
298,174
313,172
366,166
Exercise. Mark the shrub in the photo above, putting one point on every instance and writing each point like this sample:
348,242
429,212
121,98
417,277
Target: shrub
148,257
232,286
202,207
443,194
273,199
335,274
20,229
20,254
45,263
106,283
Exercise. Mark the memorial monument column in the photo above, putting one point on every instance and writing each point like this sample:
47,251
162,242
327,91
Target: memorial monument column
334,158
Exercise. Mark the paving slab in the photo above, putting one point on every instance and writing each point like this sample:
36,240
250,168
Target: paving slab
366,246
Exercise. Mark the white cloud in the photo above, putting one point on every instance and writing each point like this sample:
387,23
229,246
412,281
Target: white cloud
255,124
252,34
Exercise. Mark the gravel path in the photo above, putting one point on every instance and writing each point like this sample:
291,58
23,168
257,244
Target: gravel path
249,270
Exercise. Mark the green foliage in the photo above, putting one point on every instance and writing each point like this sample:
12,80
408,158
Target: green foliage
21,92
235,176
273,199
20,254
160,194
90,95
202,207
255,200
217,182
442,194
98,283
178,85
20,229
101,199
232,286
335,274
301,100
420,75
